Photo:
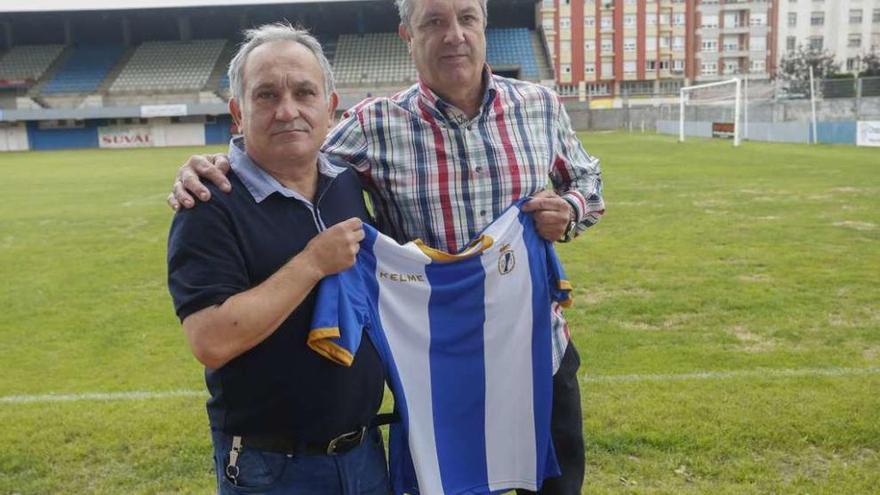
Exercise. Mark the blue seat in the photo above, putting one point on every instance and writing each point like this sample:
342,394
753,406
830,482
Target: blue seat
84,70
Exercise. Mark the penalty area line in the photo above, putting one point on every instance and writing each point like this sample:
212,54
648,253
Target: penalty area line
720,375
636,378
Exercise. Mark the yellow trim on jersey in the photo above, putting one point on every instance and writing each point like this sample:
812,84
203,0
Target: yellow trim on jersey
566,286
479,245
318,342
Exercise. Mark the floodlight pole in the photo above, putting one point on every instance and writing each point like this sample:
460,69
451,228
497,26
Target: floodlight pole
746,109
813,105
681,116
736,113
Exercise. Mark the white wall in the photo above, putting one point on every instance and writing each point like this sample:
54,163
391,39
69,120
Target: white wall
14,138
178,134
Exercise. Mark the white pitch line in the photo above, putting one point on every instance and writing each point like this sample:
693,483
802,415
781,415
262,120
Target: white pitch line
101,396
704,375
716,375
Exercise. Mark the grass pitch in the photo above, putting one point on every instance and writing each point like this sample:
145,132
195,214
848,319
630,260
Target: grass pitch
727,314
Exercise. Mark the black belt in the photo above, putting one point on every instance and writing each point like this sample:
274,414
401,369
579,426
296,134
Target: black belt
336,446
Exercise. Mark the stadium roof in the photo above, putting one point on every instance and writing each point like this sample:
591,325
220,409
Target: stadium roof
67,5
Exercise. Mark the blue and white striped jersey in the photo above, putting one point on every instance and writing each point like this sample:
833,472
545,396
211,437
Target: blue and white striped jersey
466,342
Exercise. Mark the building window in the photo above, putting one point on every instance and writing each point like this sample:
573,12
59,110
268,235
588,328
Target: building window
855,16
629,67
677,65
852,64
629,20
731,67
731,43
791,43
758,19
629,44
678,19
565,23
710,45
589,68
816,43
758,44
854,40
590,45
709,69
757,66
590,21
565,68
607,45
678,43
650,65
876,18
597,89
817,19
709,21
792,19
606,22
607,70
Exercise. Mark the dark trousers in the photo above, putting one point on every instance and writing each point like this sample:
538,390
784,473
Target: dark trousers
566,428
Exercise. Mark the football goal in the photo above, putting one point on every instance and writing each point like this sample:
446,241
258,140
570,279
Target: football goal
718,103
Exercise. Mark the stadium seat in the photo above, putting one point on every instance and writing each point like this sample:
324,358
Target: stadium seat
163,66
370,59
28,61
84,70
512,47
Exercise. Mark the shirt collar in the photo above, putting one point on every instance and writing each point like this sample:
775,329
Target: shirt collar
447,111
261,185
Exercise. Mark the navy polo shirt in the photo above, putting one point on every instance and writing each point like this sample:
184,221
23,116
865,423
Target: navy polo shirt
234,242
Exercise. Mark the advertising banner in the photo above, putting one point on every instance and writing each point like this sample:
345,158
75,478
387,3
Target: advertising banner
868,133
125,137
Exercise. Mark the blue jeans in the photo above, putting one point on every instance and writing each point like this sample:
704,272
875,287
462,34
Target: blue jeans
360,471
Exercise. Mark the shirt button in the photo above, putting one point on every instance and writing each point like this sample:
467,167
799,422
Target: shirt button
478,170
482,213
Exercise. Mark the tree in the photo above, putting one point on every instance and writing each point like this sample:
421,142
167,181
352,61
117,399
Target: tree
870,65
794,69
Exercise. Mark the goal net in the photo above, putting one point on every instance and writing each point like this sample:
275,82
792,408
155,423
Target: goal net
714,106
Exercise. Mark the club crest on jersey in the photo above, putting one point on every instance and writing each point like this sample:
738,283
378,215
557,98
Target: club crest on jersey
507,260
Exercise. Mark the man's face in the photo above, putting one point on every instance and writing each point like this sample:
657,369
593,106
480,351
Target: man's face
285,114
447,40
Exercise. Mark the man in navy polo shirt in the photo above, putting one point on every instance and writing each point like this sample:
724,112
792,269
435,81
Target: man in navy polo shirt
242,269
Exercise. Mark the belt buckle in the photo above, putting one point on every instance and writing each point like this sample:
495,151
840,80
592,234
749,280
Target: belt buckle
345,437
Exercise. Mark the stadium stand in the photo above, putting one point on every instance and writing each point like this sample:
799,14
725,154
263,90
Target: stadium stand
28,62
512,47
373,58
84,69
169,66
382,58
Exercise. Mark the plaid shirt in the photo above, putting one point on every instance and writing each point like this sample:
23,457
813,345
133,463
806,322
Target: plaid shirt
435,175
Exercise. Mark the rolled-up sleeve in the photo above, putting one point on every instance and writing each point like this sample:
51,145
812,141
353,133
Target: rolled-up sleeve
576,175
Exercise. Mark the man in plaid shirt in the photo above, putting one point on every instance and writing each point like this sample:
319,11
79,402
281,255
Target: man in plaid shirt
442,159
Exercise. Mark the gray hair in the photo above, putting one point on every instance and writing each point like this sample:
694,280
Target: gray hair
267,33
405,8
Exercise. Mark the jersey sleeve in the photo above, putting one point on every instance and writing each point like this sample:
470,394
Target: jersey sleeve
339,317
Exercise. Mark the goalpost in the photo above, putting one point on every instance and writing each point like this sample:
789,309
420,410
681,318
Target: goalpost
716,94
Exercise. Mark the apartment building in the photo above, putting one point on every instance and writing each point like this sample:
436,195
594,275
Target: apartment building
846,28
638,47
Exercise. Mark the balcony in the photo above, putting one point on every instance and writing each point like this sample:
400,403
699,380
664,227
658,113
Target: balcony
734,52
735,29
